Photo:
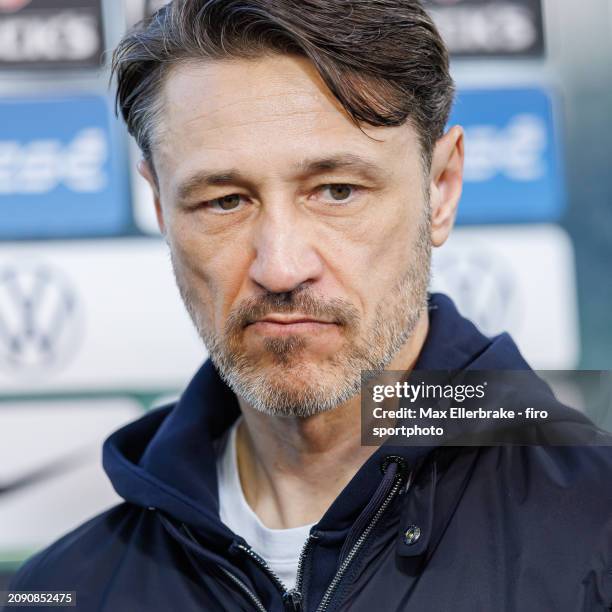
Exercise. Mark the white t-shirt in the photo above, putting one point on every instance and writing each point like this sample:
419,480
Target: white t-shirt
279,547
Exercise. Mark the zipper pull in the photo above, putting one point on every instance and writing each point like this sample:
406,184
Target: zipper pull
293,601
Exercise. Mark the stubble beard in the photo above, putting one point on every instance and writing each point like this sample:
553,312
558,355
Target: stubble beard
288,384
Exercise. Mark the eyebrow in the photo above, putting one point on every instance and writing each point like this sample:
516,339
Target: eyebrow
345,161
304,169
208,179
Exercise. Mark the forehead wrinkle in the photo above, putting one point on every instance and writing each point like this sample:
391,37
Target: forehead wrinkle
241,124
294,93
300,102
270,114
249,101
314,93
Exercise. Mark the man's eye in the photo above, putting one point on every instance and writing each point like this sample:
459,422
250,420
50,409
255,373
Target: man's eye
226,203
339,192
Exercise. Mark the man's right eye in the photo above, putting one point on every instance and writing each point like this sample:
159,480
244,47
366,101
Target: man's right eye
226,203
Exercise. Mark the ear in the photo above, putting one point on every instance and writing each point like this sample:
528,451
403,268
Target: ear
446,183
146,171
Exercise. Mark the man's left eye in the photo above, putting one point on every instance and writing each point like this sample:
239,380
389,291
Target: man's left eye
338,192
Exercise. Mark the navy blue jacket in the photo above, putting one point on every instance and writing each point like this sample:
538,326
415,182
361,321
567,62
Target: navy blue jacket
476,529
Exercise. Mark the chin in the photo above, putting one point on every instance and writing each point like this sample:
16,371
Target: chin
297,388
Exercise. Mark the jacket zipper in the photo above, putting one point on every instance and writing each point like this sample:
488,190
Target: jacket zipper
245,589
299,580
250,594
294,598
333,585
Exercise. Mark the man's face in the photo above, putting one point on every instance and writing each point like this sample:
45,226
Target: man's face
300,243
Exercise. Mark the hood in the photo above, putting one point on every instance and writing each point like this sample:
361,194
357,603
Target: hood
166,459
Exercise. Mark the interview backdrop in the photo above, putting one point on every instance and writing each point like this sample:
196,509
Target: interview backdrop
92,330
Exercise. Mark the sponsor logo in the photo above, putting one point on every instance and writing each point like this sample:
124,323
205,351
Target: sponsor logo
513,171
483,287
477,27
40,166
518,279
516,150
59,171
40,319
50,33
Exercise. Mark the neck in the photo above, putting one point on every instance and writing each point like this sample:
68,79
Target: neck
292,468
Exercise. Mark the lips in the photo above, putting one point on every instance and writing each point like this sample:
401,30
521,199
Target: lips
279,319
273,325
289,321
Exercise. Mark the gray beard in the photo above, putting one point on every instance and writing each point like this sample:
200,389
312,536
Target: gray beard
293,387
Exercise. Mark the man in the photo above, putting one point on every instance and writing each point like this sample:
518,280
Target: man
301,172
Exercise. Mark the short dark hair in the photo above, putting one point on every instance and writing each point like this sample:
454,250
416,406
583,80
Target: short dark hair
384,60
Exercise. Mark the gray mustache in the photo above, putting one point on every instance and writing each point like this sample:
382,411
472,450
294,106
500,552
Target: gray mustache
252,309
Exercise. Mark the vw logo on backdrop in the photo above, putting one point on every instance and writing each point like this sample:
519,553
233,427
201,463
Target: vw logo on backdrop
483,288
40,319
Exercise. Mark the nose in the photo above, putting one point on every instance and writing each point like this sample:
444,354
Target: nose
285,253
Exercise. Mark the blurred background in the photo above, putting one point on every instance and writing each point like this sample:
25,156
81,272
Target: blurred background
92,330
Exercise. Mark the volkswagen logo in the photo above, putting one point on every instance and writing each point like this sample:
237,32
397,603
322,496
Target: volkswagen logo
483,287
40,319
